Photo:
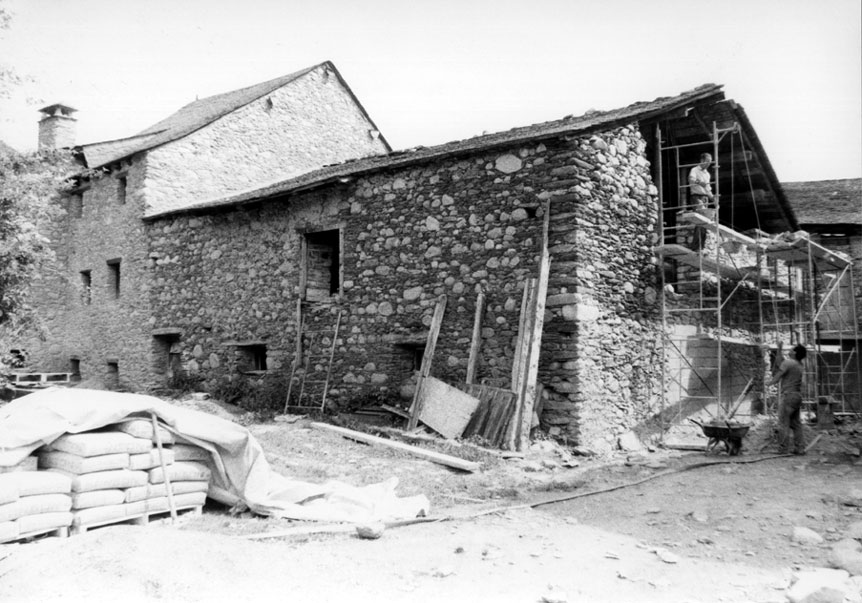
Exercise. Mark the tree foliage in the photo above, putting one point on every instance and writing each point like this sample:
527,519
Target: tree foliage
29,187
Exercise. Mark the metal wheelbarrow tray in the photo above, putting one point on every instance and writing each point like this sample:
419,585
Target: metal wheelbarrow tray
729,433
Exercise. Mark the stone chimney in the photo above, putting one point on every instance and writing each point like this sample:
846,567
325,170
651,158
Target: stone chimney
57,127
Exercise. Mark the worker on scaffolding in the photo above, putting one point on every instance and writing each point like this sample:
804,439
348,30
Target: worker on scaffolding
700,191
789,374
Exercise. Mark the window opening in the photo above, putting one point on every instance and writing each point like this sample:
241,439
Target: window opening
121,190
251,358
322,265
112,379
86,287
114,278
167,358
74,369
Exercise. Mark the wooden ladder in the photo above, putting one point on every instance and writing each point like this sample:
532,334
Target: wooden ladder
312,360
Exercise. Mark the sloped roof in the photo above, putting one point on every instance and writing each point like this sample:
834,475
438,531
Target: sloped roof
195,116
589,122
826,201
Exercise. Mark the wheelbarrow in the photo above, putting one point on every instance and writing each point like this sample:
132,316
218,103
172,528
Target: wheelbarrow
729,433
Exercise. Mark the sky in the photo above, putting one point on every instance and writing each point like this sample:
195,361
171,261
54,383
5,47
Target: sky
432,71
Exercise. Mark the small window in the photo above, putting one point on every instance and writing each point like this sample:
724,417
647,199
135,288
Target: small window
112,379
114,278
322,265
167,359
121,190
252,358
86,287
414,353
75,369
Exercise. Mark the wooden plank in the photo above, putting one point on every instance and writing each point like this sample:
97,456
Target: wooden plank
476,340
478,420
494,419
521,361
444,408
427,357
430,455
519,342
723,231
528,399
501,417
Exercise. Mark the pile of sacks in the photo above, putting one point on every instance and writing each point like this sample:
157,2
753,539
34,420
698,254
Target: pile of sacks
105,476
33,502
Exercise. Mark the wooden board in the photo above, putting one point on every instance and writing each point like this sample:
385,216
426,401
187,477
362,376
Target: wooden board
430,455
492,417
476,340
427,357
444,408
527,396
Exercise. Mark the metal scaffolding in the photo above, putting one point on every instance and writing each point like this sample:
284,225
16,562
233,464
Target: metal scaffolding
728,298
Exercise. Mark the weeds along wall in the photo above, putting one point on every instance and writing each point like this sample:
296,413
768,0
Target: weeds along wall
392,242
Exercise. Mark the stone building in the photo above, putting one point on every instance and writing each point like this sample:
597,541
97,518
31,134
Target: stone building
179,260
94,314
373,243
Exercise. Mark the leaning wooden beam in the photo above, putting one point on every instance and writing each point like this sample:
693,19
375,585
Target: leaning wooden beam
476,340
528,386
521,361
517,360
427,358
430,455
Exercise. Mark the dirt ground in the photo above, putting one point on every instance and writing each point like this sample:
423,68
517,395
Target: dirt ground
660,525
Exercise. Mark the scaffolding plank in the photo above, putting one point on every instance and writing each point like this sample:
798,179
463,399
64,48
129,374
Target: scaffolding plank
797,252
725,232
699,260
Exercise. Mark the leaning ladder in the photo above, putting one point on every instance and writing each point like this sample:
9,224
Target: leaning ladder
310,361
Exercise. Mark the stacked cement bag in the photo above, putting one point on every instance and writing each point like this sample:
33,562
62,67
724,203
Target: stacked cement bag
186,467
116,473
97,463
33,502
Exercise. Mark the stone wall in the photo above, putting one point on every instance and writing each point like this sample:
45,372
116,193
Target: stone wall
311,122
97,327
447,228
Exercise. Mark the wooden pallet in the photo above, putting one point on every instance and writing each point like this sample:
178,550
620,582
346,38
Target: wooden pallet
140,519
61,532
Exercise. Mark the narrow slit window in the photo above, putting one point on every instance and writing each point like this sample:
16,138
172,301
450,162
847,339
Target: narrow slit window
121,190
75,369
114,278
112,378
86,287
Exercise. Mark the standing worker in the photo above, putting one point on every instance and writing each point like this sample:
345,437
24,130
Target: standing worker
701,195
789,374
700,188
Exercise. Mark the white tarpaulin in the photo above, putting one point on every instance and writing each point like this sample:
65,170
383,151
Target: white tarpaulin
241,473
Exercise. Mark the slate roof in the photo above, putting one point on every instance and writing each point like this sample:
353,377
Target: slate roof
195,116
589,122
826,201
